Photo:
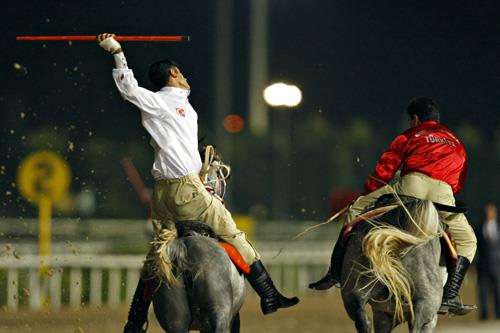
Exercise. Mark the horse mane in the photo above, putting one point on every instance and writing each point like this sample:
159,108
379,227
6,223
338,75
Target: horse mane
385,246
168,255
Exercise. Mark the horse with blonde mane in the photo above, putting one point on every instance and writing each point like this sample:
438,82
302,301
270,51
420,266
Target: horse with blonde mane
194,283
392,262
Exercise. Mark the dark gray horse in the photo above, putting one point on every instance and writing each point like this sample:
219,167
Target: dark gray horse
201,288
394,265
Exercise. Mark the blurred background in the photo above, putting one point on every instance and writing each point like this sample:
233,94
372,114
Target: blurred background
356,63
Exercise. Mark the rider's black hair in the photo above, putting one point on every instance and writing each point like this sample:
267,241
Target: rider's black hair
159,72
425,108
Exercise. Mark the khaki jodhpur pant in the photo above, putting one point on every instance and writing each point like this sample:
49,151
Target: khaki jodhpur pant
424,187
186,199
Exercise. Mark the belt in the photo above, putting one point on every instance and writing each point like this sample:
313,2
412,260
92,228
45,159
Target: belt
183,179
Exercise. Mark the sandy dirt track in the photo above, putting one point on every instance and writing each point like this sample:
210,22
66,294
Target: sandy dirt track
316,313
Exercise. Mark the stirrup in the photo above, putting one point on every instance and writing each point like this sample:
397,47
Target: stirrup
456,308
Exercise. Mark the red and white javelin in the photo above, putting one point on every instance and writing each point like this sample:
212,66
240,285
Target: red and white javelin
118,38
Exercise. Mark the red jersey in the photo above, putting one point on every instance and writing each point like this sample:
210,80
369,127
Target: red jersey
429,148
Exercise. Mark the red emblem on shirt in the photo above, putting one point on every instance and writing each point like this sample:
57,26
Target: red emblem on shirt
181,112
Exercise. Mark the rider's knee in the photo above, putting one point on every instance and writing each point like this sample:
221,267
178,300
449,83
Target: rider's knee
473,247
467,248
465,241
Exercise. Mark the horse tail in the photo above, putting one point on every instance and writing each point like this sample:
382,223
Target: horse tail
384,246
168,256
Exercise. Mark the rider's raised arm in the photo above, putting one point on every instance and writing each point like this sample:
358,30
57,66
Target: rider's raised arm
387,165
146,100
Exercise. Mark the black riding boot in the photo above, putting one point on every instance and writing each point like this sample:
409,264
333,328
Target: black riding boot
270,299
334,273
138,313
451,304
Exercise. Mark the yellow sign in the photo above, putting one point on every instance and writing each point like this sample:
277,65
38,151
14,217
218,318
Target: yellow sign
246,224
43,177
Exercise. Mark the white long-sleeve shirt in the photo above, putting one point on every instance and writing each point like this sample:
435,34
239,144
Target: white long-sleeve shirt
169,119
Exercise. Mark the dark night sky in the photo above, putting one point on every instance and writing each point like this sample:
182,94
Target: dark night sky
351,58
72,83
362,57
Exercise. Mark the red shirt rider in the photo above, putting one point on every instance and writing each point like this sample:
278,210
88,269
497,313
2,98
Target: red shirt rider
429,148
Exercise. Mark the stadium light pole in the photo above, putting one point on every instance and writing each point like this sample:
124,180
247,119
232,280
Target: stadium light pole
223,77
282,98
258,112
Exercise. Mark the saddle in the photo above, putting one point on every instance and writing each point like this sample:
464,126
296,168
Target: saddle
389,207
388,199
192,228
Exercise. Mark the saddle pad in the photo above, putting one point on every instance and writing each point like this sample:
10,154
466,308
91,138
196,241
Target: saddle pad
235,257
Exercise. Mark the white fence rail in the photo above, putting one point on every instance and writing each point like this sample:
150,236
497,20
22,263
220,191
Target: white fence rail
74,280
77,280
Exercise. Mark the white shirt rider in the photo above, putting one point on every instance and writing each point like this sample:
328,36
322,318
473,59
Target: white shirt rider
168,117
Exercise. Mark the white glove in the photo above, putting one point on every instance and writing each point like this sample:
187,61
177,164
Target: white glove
107,42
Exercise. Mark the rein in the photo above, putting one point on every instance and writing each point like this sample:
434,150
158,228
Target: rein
214,173
330,220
